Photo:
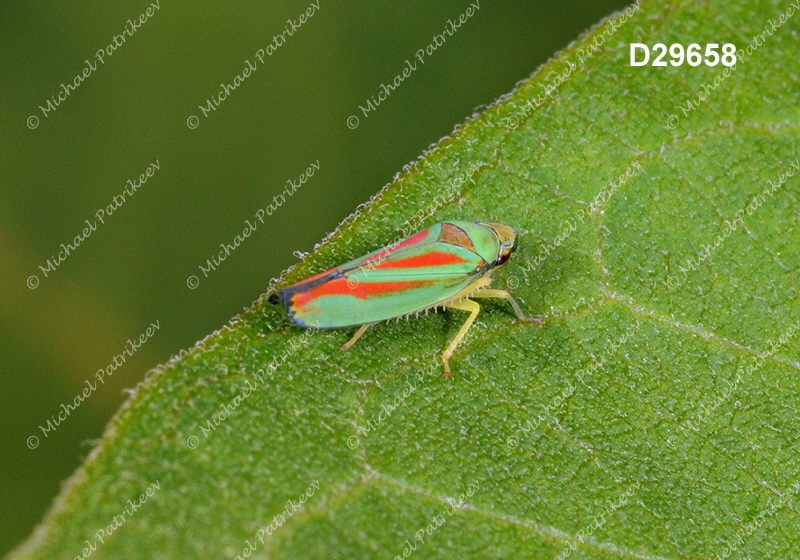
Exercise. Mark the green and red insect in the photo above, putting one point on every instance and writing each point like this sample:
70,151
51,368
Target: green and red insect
443,266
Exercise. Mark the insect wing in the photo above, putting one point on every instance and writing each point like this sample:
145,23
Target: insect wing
416,274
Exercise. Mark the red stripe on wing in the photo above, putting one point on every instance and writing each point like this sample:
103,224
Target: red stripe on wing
413,239
339,287
421,261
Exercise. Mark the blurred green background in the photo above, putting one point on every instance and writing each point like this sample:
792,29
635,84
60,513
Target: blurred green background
133,109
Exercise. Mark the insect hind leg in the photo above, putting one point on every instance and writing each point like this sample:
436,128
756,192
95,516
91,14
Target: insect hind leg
356,336
464,305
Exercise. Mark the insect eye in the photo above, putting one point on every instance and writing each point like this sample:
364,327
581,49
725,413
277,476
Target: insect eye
503,258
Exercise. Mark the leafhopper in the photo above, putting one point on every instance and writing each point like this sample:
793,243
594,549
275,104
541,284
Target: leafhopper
447,265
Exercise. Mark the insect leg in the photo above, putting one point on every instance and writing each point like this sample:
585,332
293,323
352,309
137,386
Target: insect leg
465,305
490,293
356,336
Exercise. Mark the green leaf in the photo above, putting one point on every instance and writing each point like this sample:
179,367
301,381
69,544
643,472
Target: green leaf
654,415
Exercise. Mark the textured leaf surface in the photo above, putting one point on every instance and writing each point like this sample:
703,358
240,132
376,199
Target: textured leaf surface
640,418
